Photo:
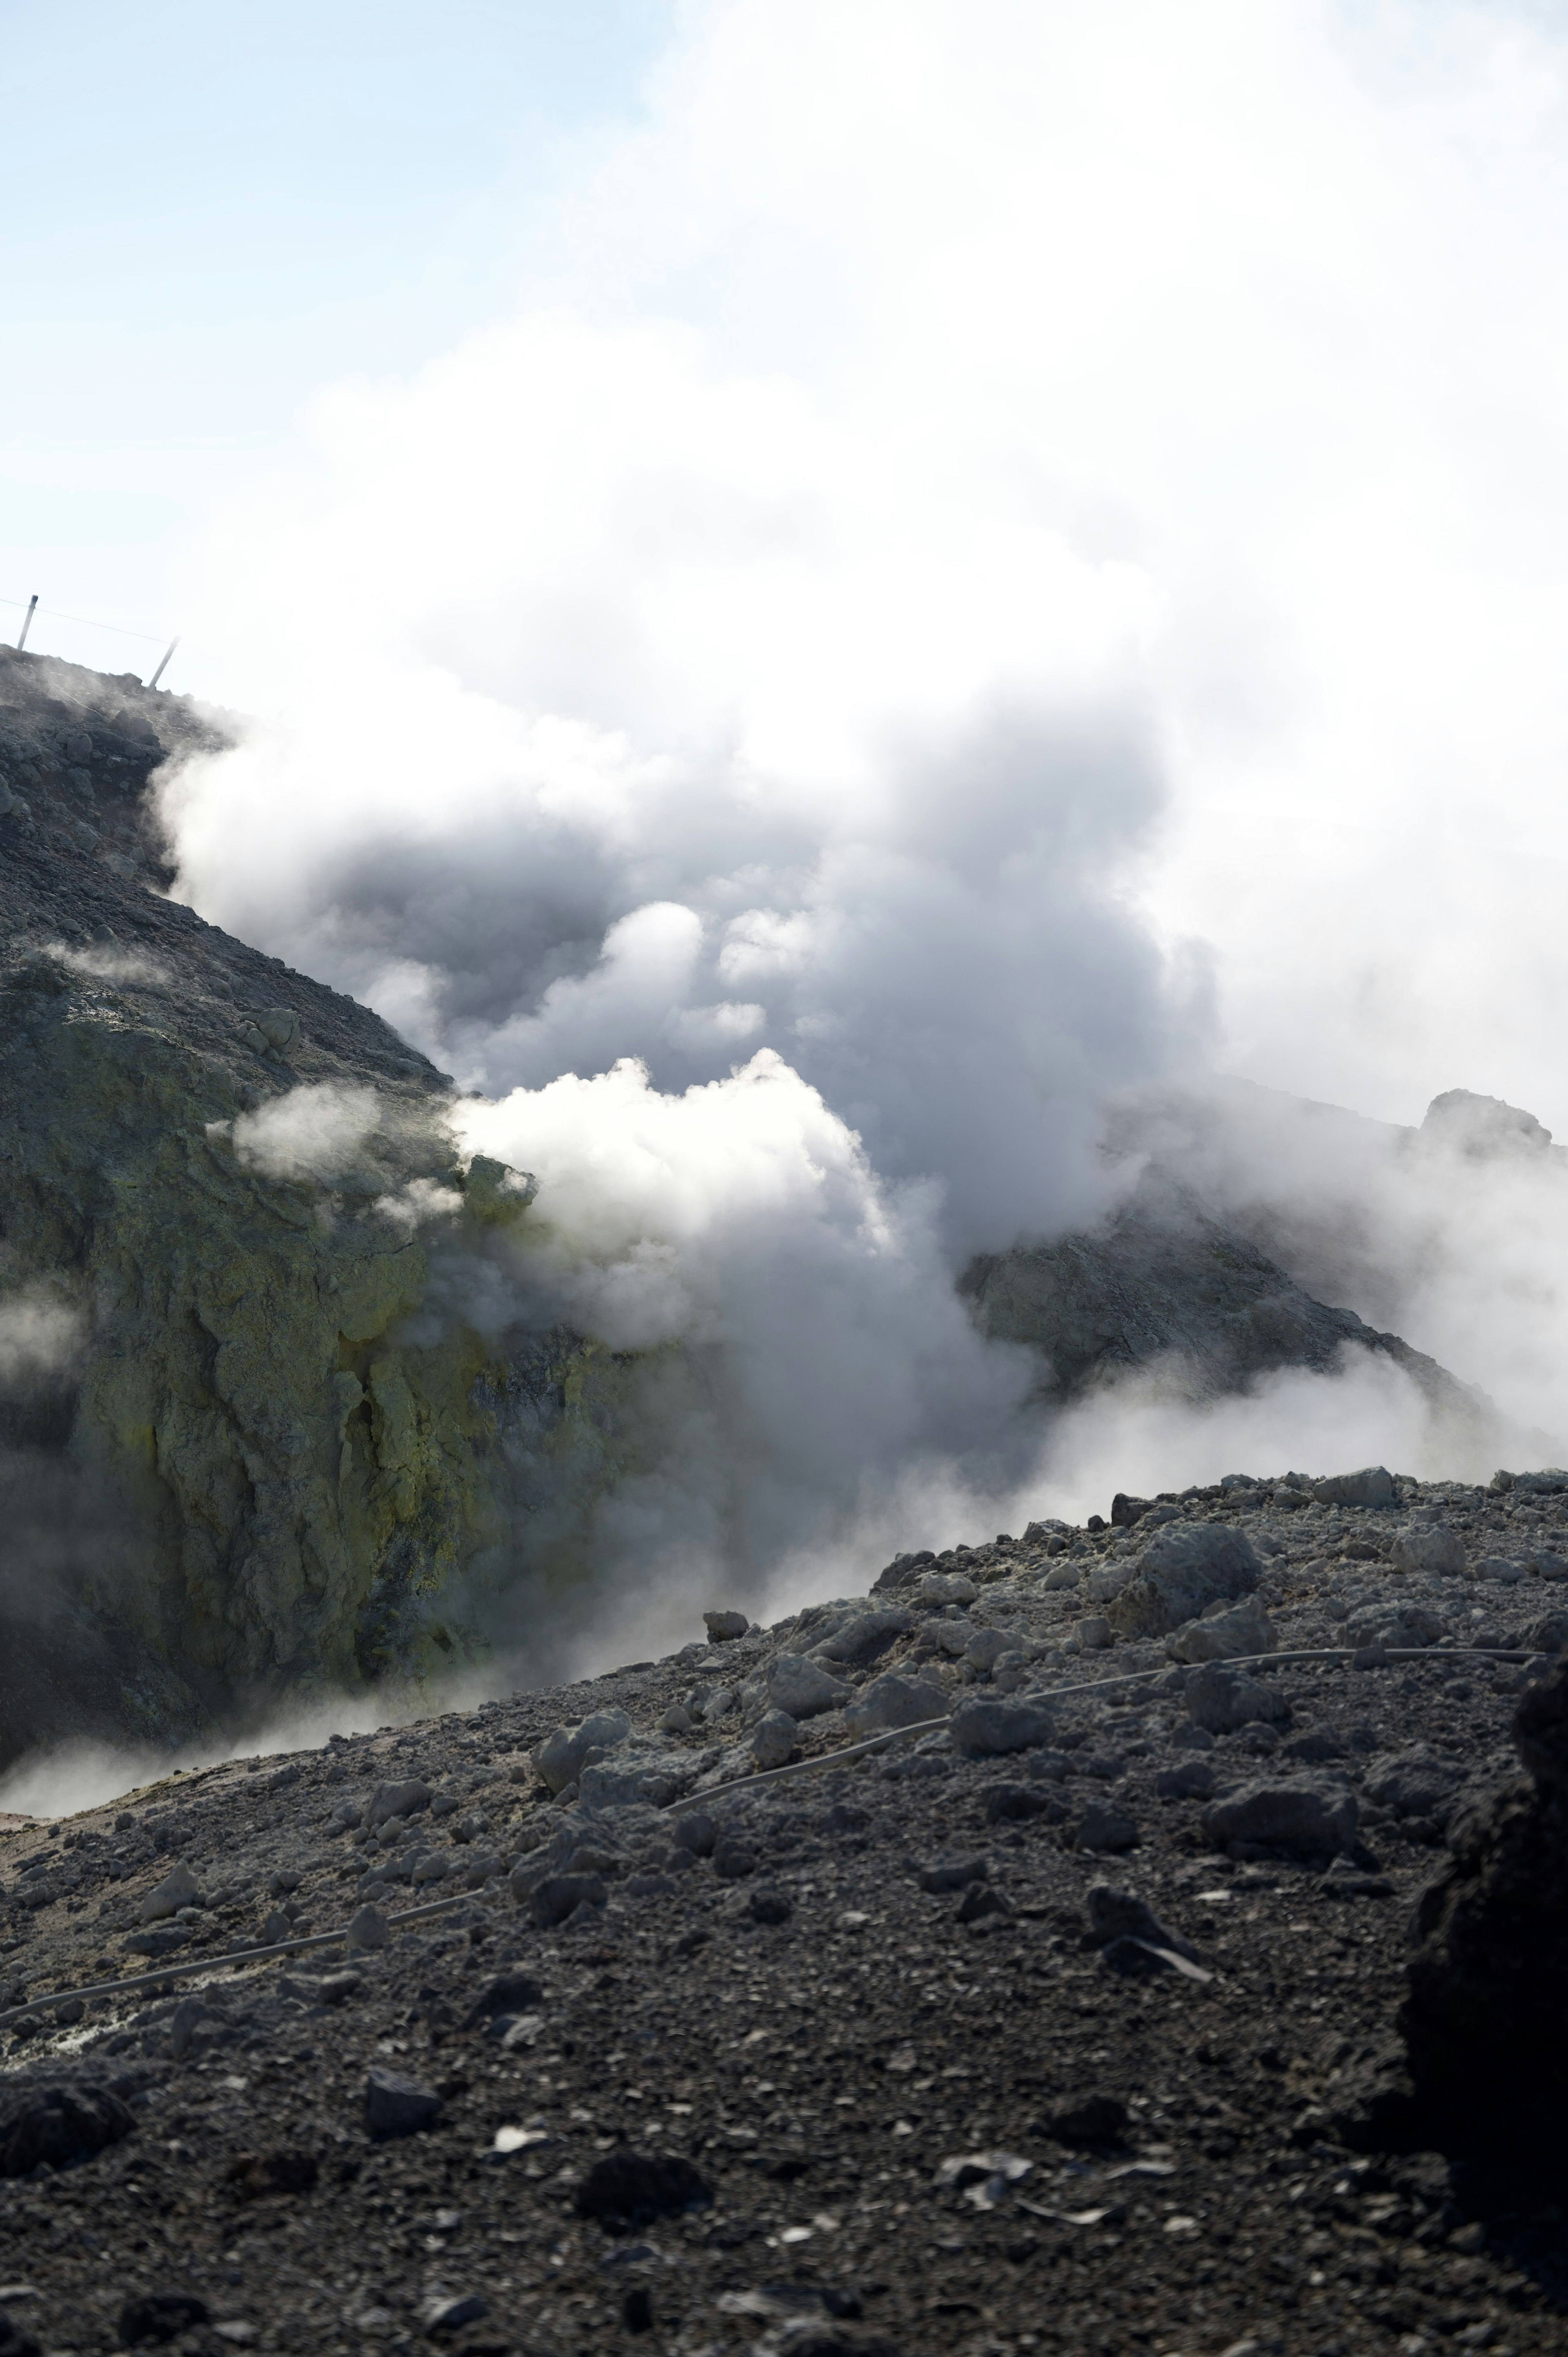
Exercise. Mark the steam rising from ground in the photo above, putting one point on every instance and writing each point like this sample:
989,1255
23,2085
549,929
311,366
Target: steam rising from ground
976,504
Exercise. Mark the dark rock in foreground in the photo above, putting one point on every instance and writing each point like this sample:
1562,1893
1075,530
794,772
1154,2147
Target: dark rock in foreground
1484,2023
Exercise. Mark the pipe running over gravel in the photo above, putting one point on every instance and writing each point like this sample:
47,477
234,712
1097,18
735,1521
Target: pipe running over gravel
1092,1686
200,1965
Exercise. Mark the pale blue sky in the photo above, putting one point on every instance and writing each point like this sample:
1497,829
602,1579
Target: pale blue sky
212,209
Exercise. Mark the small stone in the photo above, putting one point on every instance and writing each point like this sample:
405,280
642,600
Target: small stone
255,2176
723,1627
1194,1780
1010,1802
396,2106
1372,1486
732,1858
983,1725
72,2011
1370,1657
511,1993
956,1875
1118,1914
986,1647
773,1739
562,1757
677,1720
1240,1633
389,1802
366,1929
284,1882
1104,1826
276,1927
940,1587
1094,1633
1222,1700
59,2124
1304,1819
770,1906
980,1902
801,1688
338,1987
559,1895
155,2317
1428,1547
859,1640
1088,2119
960,2171
177,1890
447,2315
633,2189
894,1701
696,1831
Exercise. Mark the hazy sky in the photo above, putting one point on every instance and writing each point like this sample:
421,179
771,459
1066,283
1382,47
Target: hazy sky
212,209
832,383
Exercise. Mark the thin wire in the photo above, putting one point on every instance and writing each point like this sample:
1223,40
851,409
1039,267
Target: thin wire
53,614
211,1964
55,1998
1092,1685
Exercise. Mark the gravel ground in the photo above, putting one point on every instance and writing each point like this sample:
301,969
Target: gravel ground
880,2057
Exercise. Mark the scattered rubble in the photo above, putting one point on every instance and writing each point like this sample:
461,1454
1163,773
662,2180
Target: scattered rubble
1074,2015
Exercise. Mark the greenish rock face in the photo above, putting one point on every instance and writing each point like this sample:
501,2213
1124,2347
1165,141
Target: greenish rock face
252,1444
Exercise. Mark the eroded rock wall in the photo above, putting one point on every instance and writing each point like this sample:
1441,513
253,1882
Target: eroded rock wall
247,1449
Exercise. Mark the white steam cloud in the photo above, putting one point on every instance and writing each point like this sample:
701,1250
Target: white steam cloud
1009,559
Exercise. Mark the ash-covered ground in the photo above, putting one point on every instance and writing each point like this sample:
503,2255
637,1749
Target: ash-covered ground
1056,2028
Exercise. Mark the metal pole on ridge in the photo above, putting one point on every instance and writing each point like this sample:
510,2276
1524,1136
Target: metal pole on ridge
162,667
28,620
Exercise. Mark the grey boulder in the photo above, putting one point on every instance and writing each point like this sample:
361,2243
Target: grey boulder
861,1640
1414,1783
1239,1633
802,1687
1220,1699
398,2106
1186,1567
392,1801
1372,1486
772,1741
642,1770
1428,1547
560,1757
891,1702
1304,1818
982,1724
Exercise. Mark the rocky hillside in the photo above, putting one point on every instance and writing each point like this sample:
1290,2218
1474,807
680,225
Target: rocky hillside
1167,1289
1082,2016
249,1442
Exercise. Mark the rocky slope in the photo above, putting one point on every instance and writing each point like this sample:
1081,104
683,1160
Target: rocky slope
250,1438
1049,2028
1167,1289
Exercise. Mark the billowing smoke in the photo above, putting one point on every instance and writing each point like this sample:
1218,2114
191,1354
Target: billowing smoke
996,571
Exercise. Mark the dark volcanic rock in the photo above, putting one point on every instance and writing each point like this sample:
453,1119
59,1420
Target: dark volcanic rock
59,2124
1165,1285
1483,2021
632,2189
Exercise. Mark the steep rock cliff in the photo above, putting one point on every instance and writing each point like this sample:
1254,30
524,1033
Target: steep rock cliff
253,1437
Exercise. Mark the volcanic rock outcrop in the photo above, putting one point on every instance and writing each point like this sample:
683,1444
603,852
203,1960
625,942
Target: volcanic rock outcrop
1483,2024
243,1446
1166,1288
